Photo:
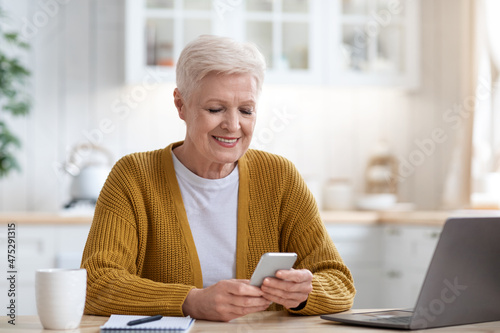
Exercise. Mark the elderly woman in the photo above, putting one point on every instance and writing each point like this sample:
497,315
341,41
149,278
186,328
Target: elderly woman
179,231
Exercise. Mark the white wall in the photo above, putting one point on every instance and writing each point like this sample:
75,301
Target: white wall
77,59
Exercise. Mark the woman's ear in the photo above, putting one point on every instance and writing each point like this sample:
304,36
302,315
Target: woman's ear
179,103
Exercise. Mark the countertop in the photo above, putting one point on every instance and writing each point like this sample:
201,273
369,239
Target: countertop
329,217
429,218
43,218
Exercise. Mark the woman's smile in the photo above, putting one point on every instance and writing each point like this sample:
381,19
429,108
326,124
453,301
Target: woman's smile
225,141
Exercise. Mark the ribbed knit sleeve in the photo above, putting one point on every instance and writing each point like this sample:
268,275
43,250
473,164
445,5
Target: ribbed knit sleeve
293,216
127,250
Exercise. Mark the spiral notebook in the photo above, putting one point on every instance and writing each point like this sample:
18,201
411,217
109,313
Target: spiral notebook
118,323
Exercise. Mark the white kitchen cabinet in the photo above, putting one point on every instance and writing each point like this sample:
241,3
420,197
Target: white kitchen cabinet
388,262
400,287
340,42
286,31
407,254
156,32
70,242
361,249
375,43
41,247
35,248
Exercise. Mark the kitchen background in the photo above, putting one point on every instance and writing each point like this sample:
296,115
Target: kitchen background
355,89
78,57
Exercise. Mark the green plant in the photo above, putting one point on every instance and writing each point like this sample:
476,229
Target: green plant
14,99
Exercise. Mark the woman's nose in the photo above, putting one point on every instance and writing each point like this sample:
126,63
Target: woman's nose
231,121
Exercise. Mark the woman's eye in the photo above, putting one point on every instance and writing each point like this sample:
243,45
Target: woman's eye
214,110
246,111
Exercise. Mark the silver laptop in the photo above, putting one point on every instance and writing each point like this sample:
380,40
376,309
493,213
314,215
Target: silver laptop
462,285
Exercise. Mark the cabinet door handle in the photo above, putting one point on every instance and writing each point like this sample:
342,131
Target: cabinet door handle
432,234
394,274
394,231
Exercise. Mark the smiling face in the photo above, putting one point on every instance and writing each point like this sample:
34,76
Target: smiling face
220,118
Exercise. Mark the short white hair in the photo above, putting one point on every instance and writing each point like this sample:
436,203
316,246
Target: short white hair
215,54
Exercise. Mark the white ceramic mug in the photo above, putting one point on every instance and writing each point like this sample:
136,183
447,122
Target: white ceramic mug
60,297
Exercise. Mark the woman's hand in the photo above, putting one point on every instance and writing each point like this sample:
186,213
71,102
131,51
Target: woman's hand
290,287
225,300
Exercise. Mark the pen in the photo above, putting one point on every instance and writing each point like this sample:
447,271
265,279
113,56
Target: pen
144,320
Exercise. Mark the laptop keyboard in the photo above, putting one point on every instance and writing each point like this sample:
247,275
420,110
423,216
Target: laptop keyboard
393,320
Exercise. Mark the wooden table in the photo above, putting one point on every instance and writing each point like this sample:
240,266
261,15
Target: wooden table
256,322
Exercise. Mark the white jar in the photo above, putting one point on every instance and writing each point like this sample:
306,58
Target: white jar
338,195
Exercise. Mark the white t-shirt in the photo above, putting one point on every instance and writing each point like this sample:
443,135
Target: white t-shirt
212,209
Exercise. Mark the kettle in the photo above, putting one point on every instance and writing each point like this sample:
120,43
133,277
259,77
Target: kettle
89,175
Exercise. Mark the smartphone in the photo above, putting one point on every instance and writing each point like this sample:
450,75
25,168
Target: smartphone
270,263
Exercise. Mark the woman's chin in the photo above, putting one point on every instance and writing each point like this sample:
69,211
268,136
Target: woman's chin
227,157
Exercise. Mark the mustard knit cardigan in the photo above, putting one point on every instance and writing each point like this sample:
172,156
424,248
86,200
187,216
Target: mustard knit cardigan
141,258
